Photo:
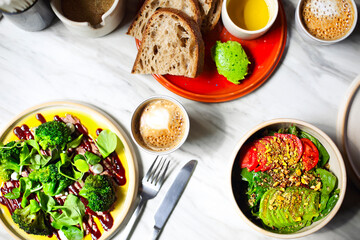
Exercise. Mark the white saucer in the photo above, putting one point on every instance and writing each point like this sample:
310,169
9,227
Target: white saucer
348,130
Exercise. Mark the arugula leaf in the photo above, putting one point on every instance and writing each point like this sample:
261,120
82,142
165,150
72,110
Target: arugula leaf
14,194
81,165
34,206
323,154
106,142
75,143
91,158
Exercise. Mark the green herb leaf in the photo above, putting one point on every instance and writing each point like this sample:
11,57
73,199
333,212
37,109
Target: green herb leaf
106,142
46,201
91,158
81,165
64,158
33,143
15,194
79,156
73,211
76,142
34,206
72,233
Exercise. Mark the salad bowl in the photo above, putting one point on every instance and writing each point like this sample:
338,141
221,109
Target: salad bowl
237,186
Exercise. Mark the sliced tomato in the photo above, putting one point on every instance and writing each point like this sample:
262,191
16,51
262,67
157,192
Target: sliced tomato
260,146
248,157
293,143
311,154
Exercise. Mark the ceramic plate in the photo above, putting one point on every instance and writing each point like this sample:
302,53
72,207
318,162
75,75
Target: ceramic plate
93,119
264,54
348,130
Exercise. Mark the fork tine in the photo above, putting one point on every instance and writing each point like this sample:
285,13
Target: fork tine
156,177
147,176
156,170
162,177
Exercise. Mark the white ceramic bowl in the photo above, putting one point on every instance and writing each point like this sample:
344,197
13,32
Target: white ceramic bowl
310,38
110,20
136,118
336,166
238,32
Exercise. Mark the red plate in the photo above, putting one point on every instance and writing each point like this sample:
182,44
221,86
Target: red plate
264,54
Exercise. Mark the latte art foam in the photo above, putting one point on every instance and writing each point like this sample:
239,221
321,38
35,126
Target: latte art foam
327,19
162,125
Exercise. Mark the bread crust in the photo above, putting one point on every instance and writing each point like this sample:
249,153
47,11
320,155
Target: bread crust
144,16
209,21
193,27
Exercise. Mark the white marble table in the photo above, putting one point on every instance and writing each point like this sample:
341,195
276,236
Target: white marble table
309,84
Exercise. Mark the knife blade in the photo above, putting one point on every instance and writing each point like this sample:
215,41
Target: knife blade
172,196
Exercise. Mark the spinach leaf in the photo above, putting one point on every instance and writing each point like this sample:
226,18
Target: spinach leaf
106,142
34,206
73,211
27,187
328,181
75,143
323,154
72,233
46,201
91,158
14,194
329,206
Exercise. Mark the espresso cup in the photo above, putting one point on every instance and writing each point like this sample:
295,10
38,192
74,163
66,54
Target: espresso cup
235,30
160,125
312,15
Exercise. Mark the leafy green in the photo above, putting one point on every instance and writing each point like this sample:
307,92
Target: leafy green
81,165
27,186
293,130
75,143
46,201
73,211
258,184
14,194
72,233
106,142
91,158
323,154
34,206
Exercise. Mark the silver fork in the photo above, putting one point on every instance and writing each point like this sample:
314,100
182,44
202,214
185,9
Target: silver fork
151,184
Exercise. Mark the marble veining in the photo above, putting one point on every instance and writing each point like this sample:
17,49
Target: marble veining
309,84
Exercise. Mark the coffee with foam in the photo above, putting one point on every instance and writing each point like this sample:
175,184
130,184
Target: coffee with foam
327,19
161,125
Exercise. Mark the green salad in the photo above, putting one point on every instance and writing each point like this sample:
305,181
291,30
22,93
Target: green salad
56,178
289,182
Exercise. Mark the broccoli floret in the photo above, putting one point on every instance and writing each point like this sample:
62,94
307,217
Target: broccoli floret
99,191
10,152
9,160
5,174
32,223
52,181
52,134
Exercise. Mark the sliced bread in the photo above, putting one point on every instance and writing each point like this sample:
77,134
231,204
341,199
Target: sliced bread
210,20
189,7
171,44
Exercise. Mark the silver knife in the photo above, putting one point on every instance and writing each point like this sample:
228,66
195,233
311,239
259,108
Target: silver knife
172,197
